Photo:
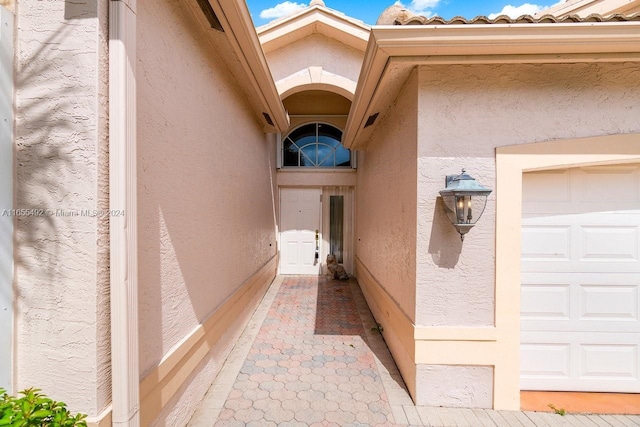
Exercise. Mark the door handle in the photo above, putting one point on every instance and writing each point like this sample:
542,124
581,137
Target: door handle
317,256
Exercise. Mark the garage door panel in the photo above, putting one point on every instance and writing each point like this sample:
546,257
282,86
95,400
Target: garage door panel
608,361
546,243
551,302
580,302
545,360
609,303
609,243
580,294
549,188
593,361
600,184
576,246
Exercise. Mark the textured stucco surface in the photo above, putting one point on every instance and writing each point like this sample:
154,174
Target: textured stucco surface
464,113
454,279
61,257
289,178
206,214
316,51
386,201
470,110
454,386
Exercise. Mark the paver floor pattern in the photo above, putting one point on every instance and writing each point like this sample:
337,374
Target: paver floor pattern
310,363
311,355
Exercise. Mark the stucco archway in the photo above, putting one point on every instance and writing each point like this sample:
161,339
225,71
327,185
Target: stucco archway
316,78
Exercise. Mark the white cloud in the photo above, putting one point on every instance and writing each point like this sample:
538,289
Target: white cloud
516,11
285,8
419,7
524,9
423,4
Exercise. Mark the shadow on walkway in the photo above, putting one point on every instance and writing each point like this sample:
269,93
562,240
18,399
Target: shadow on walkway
315,359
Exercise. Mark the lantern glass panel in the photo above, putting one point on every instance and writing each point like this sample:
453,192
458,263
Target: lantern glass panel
469,208
464,209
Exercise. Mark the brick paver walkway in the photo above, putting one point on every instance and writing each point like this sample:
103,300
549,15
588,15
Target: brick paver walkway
310,363
311,355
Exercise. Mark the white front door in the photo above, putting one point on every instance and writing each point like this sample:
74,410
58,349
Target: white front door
580,307
299,222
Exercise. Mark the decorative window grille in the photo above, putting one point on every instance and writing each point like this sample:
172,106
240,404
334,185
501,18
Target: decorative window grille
315,145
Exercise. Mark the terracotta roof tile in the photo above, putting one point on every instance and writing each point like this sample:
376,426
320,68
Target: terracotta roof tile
524,19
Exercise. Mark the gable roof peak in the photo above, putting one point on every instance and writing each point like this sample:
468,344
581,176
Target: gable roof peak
316,10
315,19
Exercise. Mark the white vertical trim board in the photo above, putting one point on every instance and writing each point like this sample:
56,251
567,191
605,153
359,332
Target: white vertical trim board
6,198
123,229
279,150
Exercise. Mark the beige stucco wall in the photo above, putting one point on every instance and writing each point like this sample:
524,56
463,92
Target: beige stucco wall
464,113
386,201
316,178
316,51
206,214
61,258
467,111
454,386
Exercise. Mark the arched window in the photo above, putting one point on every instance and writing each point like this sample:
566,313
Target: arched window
315,145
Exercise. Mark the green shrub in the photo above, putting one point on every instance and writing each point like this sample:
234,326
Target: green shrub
33,408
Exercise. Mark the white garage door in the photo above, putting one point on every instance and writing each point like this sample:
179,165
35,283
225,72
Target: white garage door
580,327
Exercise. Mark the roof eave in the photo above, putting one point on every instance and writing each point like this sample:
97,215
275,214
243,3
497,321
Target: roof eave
409,46
238,26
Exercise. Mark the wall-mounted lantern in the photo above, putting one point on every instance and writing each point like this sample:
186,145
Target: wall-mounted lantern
464,200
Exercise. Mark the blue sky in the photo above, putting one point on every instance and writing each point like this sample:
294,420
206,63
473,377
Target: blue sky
368,11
